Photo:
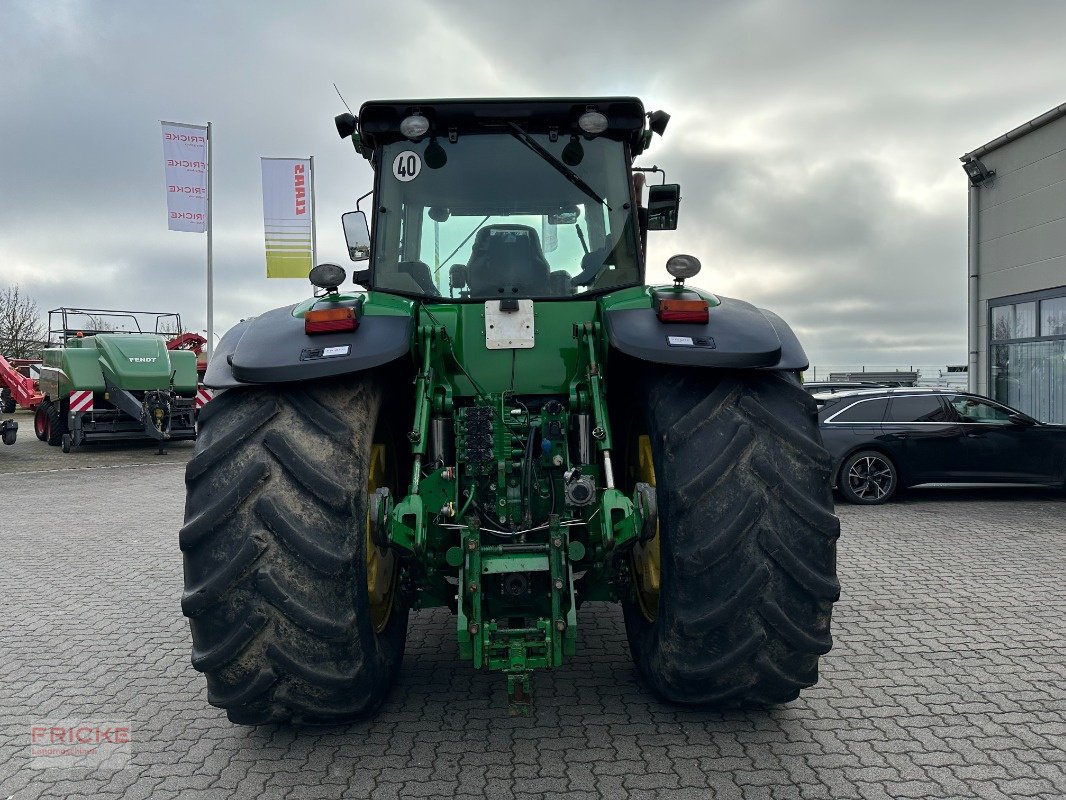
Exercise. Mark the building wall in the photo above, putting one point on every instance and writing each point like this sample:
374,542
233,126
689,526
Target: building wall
1021,224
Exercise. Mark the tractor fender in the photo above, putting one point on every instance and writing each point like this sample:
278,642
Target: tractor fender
273,348
737,336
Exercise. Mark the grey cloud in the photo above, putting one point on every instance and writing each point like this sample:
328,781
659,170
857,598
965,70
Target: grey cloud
816,142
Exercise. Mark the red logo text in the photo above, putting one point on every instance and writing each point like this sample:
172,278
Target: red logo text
301,190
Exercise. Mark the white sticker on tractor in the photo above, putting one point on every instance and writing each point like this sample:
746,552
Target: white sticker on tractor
406,166
680,341
336,351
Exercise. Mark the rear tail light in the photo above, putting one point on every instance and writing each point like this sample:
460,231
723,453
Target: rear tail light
330,320
683,311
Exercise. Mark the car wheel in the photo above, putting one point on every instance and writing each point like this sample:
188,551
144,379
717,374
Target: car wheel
868,478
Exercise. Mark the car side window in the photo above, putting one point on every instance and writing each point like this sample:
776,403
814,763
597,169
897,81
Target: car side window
971,410
917,408
864,411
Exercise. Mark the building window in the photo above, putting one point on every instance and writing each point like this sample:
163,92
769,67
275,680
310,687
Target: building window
1014,321
1027,353
1053,316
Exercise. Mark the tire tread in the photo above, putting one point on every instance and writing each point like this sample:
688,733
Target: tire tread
275,587
748,539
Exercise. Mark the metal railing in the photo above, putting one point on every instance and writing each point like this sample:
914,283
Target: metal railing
950,376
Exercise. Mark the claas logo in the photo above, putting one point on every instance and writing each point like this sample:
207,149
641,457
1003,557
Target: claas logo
299,180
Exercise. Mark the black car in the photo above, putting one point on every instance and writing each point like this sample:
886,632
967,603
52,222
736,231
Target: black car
882,440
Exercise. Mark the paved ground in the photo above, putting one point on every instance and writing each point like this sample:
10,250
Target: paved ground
30,455
948,678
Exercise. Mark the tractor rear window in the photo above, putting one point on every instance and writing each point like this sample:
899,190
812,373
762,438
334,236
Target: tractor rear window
492,215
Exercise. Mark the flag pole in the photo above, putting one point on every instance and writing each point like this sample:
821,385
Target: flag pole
210,271
314,217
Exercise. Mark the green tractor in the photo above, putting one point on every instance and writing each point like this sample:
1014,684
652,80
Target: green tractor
508,422
103,378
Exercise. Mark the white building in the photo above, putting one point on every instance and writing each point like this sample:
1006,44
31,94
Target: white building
1017,267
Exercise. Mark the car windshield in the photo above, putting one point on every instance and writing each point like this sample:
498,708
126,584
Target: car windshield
504,215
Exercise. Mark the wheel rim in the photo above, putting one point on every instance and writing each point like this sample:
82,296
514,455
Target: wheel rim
871,478
40,424
647,564
380,564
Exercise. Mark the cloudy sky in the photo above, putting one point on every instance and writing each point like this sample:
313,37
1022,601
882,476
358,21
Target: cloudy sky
816,142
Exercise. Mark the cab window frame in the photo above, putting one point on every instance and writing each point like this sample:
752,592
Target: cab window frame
631,233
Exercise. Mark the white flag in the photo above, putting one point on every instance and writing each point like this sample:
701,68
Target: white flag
288,216
185,160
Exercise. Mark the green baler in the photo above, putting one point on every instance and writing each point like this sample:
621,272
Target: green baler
101,382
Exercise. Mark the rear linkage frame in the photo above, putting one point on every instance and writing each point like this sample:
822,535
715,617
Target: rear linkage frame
413,525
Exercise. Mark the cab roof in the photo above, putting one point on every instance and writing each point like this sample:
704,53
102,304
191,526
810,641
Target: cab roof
379,120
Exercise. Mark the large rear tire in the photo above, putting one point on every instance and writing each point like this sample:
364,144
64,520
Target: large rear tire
8,401
283,622
732,599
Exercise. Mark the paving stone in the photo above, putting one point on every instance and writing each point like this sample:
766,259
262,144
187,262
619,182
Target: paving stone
946,679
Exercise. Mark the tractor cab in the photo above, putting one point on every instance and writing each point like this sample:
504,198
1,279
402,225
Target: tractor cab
499,199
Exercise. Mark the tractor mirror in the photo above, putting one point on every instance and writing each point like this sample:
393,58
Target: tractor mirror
357,235
663,203
564,216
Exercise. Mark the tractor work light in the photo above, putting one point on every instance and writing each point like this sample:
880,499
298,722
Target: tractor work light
347,124
592,122
330,320
414,127
327,276
683,266
657,121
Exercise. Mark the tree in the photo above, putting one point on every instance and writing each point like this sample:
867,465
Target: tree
21,331
99,324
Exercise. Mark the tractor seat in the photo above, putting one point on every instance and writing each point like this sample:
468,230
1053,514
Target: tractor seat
421,274
508,260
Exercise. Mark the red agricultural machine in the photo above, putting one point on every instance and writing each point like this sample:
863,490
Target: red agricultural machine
193,342
19,384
